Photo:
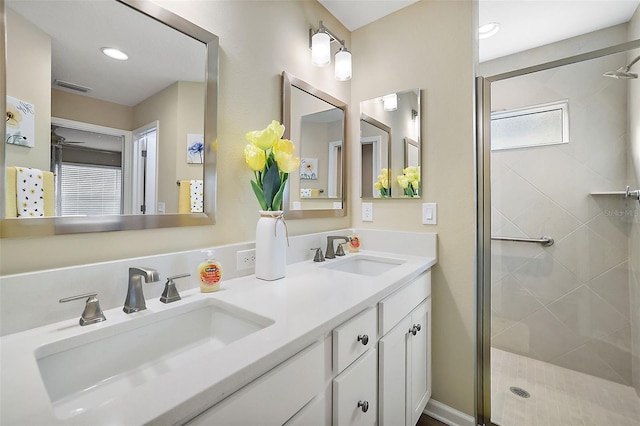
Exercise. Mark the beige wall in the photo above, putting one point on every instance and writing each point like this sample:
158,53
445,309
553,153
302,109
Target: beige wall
426,39
190,120
29,60
89,110
429,46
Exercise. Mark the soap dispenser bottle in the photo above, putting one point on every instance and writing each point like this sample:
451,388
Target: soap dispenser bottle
210,273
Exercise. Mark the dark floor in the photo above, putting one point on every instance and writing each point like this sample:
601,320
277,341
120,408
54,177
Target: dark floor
429,421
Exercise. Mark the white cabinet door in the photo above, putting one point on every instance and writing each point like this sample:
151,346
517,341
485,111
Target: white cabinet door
355,394
405,368
392,375
419,360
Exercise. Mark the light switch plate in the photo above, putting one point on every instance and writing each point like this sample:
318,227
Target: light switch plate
429,214
367,212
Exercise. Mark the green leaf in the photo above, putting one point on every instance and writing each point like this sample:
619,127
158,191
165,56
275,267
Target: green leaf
271,184
259,195
277,200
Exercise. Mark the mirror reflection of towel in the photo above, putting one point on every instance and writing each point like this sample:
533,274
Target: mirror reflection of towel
29,192
195,191
11,199
190,199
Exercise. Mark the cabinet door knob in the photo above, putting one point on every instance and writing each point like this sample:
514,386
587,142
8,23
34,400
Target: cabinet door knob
363,338
364,406
414,330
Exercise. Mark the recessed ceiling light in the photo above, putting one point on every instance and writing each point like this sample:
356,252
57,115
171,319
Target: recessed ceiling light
115,53
487,30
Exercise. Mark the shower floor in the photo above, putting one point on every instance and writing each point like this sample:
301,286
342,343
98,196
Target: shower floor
559,396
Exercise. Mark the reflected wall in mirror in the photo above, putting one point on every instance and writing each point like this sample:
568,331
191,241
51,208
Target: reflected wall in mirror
315,122
390,146
133,129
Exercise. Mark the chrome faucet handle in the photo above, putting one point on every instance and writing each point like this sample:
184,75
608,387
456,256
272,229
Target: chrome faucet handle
92,312
340,251
331,254
319,257
170,293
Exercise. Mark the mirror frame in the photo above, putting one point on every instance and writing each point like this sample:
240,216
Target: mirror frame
15,228
289,82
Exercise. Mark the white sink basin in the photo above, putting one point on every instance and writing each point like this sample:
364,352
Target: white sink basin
364,264
90,369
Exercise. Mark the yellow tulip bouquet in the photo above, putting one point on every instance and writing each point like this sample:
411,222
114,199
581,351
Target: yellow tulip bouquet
382,184
271,159
409,181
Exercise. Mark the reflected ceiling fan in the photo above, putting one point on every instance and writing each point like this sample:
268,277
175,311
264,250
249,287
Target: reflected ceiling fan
57,140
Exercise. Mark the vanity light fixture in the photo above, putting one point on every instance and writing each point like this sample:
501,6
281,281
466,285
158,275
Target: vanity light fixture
390,102
487,30
114,53
343,64
320,44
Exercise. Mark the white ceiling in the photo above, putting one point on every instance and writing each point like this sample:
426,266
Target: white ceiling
524,24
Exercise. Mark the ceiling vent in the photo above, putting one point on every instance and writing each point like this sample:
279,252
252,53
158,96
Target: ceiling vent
71,86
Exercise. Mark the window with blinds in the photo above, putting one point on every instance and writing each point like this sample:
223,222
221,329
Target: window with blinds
90,190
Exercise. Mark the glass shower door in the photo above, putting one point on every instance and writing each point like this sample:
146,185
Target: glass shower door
565,257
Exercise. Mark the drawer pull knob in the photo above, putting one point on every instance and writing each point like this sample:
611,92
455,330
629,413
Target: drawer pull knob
414,330
364,339
364,406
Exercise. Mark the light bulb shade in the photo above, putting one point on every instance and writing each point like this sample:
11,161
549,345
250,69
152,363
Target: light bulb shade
390,102
343,65
320,49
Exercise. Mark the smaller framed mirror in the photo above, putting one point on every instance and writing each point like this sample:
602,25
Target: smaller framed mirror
390,146
316,123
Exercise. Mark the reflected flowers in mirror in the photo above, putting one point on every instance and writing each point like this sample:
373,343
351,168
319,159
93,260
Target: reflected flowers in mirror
409,181
271,159
382,185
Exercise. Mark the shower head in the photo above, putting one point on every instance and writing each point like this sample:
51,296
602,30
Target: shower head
623,72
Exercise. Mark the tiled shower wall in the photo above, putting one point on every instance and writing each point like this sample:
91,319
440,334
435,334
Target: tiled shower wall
567,304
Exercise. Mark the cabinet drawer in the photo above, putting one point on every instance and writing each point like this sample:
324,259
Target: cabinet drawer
353,338
398,305
354,392
274,397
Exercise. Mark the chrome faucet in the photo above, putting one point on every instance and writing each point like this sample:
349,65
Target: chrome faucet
135,297
330,254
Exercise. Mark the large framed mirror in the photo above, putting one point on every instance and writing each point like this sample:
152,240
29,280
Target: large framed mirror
316,123
119,144
390,149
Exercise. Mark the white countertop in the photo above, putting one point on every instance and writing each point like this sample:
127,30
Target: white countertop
305,305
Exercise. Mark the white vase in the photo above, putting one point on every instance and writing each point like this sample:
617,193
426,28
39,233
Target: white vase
271,246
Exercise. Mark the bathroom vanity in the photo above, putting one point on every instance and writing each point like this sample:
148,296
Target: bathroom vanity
346,341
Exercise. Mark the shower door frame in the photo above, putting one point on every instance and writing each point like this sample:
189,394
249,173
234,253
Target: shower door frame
483,217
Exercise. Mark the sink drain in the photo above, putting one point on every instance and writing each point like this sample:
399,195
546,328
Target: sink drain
519,392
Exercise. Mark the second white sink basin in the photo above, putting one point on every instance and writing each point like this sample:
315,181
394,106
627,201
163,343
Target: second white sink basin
90,369
364,264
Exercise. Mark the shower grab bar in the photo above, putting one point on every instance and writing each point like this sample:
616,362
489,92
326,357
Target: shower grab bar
546,241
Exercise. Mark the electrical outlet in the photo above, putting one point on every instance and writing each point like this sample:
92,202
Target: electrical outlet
246,259
367,212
